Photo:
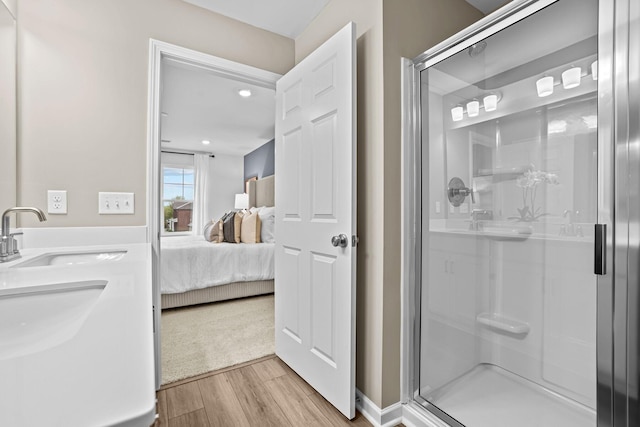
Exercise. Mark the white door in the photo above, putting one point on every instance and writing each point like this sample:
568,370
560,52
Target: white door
315,201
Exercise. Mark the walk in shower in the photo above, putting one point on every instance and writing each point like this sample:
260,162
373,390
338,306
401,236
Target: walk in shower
521,190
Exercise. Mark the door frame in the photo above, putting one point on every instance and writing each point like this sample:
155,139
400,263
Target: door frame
618,380
158,51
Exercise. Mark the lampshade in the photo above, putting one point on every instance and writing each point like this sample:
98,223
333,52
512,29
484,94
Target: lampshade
490,102
473,108
571,77
545,86
456,113
242,201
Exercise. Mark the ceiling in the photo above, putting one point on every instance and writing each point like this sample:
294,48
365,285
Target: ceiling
285,17
289,18
198,105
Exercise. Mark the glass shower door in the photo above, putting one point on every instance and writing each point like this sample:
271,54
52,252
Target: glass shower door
509,203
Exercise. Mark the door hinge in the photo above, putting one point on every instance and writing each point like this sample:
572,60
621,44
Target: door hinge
354,240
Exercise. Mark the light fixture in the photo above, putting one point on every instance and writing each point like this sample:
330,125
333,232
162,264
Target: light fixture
557,126
242,201
594,70
571,77
245,93
545,86
591,121
473,108
456,113
490,102
206,142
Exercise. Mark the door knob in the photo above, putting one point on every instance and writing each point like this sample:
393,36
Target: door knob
341,240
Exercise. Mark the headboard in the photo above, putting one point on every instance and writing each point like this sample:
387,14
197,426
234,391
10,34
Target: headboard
262,192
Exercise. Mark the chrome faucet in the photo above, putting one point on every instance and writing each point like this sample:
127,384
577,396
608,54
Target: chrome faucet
476,216
569,228
8,245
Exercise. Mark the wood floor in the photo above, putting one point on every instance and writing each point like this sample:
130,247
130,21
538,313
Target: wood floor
265,392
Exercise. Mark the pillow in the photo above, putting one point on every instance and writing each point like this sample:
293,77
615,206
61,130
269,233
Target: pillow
267,230
227,227
216,235
266,211
208,230
250,232
268,224
237,226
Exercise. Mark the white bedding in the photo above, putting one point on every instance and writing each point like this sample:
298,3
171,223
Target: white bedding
190,262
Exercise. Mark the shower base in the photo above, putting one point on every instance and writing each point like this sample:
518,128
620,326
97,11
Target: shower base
489,396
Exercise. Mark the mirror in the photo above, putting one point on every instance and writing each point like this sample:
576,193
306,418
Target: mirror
7,108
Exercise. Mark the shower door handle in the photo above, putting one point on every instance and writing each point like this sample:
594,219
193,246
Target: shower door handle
600,250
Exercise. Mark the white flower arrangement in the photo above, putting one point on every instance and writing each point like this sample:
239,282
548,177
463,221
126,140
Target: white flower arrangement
529,182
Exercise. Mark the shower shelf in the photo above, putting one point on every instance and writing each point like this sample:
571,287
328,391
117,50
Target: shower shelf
502,323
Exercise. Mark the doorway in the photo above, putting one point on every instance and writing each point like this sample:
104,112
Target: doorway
167,60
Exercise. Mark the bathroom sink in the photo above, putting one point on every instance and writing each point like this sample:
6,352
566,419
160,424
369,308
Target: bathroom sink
37,318
72,258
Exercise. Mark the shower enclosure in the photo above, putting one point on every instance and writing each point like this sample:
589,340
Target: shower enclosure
524,254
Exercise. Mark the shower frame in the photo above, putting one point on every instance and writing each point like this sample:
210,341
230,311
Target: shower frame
618,300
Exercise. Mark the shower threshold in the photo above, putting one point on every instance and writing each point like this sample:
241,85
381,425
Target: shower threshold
489,396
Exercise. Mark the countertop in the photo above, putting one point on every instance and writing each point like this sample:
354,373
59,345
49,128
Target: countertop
103,375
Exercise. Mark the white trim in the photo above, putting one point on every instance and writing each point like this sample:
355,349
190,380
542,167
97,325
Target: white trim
387,417
410,414
159,51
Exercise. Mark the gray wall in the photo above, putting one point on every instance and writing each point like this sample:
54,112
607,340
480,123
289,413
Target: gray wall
261,161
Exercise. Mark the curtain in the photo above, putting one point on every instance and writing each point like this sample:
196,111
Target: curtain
200,200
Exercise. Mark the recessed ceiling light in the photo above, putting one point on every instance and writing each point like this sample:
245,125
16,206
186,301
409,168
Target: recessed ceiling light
245,93
206,142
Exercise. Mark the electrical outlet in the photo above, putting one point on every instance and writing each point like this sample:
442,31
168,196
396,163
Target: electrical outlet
57,202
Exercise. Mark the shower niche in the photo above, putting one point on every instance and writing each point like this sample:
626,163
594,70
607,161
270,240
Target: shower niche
508,295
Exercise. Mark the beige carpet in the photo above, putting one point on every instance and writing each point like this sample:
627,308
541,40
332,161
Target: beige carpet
207,337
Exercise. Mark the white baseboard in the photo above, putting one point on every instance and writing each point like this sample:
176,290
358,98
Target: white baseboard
387,417
411,414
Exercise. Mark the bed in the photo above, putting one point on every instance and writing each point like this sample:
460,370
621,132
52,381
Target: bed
194,271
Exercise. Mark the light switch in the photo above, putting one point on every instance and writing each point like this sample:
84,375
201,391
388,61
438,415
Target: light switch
115,203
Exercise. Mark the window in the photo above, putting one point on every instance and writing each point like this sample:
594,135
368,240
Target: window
177,197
